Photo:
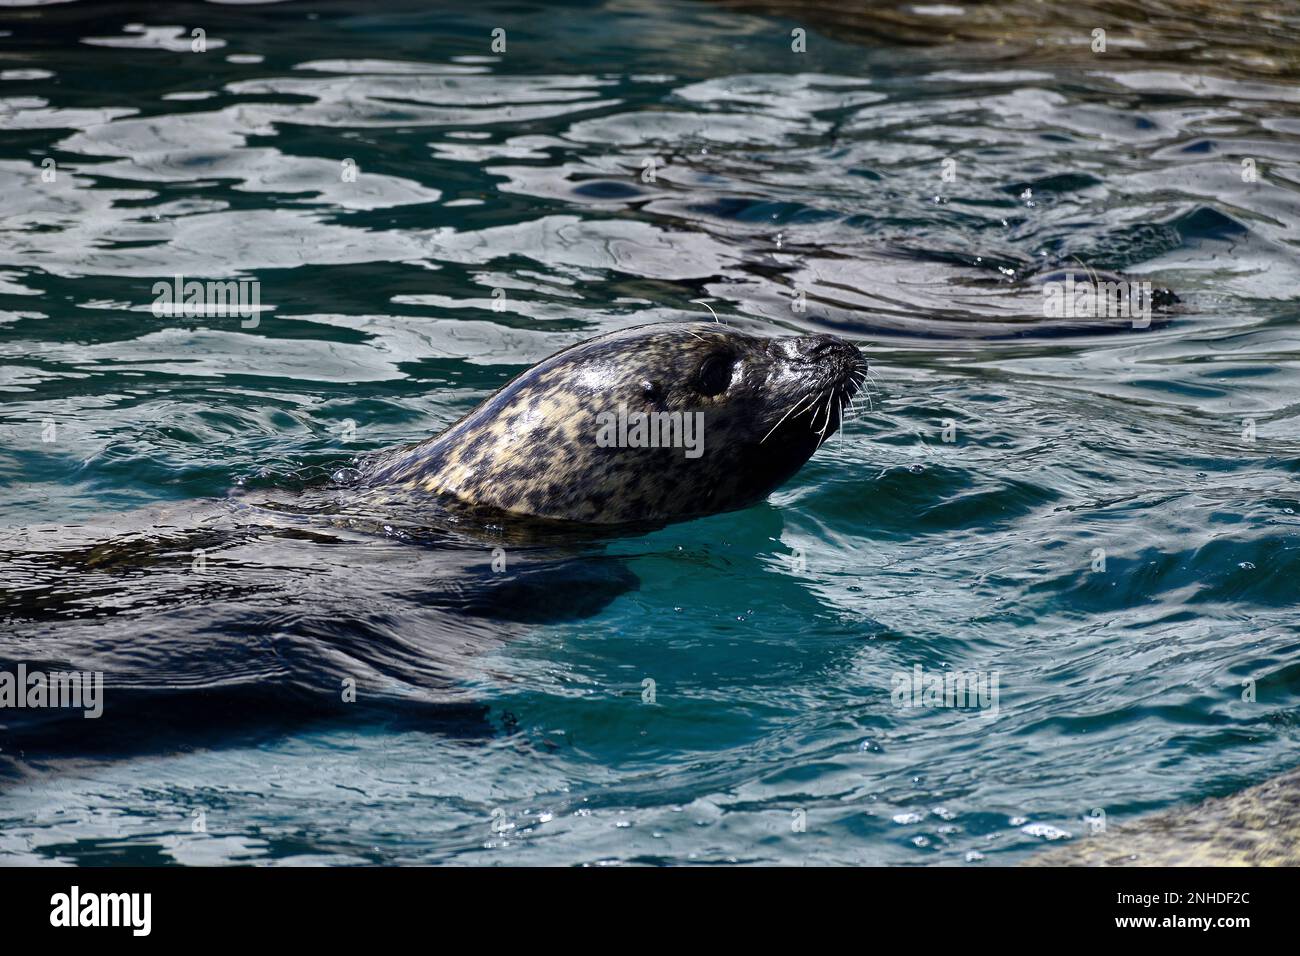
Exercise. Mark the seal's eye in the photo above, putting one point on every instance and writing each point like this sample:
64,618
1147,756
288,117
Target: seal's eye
715,374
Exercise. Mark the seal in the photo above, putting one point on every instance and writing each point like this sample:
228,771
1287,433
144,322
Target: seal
388,582
650,424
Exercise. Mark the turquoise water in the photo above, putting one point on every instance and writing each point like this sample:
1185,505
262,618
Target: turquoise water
772,636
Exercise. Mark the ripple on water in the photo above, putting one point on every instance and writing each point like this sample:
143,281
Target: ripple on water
1106,520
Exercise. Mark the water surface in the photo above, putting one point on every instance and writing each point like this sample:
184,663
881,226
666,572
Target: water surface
515,179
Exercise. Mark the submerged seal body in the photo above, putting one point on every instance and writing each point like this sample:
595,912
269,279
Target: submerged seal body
655,423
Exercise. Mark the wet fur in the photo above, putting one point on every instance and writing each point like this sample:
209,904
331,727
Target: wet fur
531,449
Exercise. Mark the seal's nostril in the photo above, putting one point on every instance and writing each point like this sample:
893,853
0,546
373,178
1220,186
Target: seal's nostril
814,347
818,348
829,347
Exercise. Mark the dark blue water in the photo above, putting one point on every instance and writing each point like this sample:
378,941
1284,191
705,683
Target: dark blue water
1112,529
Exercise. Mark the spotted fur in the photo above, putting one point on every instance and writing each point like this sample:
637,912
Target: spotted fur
531,448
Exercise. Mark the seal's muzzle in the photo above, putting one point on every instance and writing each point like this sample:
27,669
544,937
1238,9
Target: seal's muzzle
830,360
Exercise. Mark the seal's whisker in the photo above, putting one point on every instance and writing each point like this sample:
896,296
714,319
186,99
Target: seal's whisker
812,419
705,303
783,418
866,382
846,396
853,404
821,435
867,397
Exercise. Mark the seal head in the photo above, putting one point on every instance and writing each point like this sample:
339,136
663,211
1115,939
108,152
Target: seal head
655,423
